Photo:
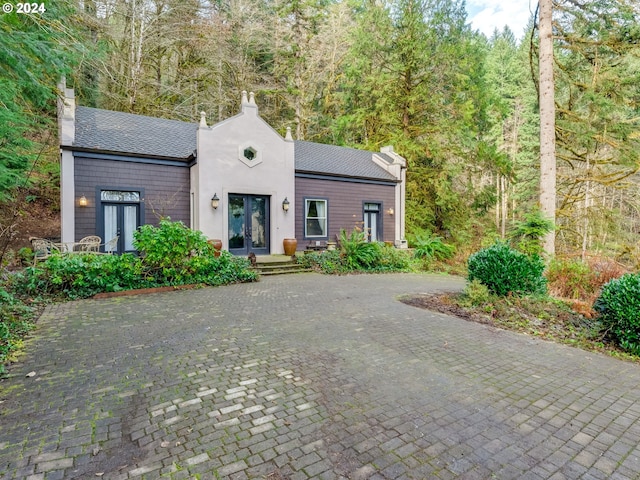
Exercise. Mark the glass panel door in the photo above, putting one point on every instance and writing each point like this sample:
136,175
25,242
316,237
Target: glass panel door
121,221
129,225
371,221
236,224
248,224
258,222
110,213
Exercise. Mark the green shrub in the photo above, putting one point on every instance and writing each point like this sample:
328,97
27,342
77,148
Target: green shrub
618,307
431,247
358,254
506,271
329,261
527,235
220,270
81,275
84,275
393,259
172,255
476,293
168,250
388,259
16,319
25,256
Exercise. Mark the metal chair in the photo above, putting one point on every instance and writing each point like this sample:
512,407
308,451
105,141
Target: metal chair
88,244
112,245
43,249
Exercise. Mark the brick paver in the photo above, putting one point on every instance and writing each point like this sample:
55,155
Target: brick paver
308,376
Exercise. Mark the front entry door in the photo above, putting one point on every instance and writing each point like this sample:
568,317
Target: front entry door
248,224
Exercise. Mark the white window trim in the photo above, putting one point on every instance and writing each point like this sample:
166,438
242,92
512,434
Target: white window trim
326,215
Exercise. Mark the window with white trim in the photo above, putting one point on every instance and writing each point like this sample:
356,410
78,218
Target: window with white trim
315,218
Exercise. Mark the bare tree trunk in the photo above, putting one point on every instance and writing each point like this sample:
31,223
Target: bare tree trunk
585,221
503,194
135,53
220,91
498,202
514,158
547,123
132,55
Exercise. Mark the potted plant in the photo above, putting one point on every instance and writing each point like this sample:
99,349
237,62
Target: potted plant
290,245
216,243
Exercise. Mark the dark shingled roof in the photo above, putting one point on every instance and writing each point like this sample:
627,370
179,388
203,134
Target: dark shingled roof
339,161
129,134
117,132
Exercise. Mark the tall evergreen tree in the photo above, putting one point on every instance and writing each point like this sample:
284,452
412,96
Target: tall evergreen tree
598,115
35,51
514,129
415,80
299,25
547,121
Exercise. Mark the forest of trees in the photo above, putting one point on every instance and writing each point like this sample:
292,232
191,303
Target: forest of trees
462,108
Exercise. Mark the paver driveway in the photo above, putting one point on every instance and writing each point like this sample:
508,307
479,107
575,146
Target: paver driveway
309,376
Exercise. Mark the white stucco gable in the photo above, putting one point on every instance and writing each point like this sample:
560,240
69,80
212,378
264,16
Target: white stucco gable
243,155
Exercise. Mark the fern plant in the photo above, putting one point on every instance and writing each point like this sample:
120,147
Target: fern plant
356,251
430,247
526,236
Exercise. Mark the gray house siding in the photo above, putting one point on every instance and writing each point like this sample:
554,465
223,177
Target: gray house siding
345,205
166,189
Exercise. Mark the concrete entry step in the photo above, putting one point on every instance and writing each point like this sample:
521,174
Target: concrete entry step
277,265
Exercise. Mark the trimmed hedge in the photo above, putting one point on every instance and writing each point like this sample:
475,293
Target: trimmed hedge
618,307
506,271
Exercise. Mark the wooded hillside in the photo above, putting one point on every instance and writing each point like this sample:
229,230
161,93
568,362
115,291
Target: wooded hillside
462,108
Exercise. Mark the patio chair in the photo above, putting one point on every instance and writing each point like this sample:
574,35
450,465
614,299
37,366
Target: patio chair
112,245
43,249
88,244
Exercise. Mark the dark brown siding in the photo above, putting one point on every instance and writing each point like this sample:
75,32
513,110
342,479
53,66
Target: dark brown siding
166,189
344,205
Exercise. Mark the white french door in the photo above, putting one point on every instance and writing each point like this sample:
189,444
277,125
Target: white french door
372,222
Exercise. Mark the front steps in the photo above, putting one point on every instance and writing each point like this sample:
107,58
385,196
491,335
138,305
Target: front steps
277,265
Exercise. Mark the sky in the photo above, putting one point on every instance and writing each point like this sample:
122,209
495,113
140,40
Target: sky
486,15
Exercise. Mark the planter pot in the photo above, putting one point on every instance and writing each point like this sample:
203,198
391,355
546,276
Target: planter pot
290,246
217,246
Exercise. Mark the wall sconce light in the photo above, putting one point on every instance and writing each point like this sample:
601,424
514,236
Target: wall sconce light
285,205
215,201
83,201
390,211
